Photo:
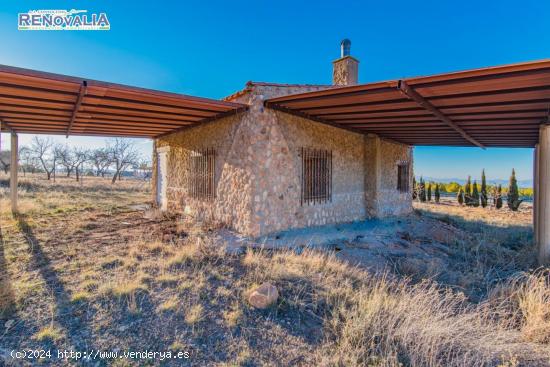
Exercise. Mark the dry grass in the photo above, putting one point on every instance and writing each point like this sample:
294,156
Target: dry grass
48,333
171,304
233,316
194,314
80,296
377,320
82,269
526,297
504,217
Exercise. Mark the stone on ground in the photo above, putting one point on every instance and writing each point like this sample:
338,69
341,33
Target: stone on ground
264,296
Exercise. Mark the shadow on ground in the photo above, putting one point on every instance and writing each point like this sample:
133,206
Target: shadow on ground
69,316
7,300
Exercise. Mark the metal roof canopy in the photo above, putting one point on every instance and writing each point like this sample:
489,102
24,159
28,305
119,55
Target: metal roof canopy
501,106
45,103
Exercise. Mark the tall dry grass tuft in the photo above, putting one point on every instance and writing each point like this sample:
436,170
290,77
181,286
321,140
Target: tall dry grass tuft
379,320
419,325
196,251
526,297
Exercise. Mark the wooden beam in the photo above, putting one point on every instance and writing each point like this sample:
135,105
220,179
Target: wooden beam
205,121
405,89
5,125
13,171
304,115
81,95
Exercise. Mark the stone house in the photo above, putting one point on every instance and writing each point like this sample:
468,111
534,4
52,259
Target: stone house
264,170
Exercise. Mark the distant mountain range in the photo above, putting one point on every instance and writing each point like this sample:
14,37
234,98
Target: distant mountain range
461,181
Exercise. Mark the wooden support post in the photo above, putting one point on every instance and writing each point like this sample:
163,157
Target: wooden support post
535,193
543,196
13,172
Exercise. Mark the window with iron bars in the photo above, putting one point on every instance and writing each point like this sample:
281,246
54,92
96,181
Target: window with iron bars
403,177
200,178
316,176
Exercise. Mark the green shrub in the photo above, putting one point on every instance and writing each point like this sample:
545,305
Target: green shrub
513,193
422,190
483,193
468,192
498,197
475,195
452,187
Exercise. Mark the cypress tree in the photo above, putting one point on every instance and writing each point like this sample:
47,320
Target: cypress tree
422,190
414,193
498,197
460,196
483,193
429,192
436,193
475,195
468,192
513,192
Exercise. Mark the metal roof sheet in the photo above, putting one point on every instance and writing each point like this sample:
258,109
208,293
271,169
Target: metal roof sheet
500,106
38,102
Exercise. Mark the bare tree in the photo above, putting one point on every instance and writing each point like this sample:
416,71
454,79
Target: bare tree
67,159
80,157
5,160
57,152
101,161
28,162
143,169
24,157
123,154
43,150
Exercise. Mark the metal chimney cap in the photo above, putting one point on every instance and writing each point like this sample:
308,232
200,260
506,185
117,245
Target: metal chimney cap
345,47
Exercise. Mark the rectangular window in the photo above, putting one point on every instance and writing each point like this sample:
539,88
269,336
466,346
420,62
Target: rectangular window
201,174
403,177
316,176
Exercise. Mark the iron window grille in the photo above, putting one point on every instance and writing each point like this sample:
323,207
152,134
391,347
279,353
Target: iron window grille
403,177
201,174
316,176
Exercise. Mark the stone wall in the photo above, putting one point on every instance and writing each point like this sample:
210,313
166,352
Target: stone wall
277,200
232,175
381,160
258,169
390,200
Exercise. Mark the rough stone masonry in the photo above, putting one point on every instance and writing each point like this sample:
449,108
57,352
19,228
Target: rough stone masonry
258,169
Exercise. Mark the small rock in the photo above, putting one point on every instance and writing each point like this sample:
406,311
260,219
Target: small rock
122,328
264,296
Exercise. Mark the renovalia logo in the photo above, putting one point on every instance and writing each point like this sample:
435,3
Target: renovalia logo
62,20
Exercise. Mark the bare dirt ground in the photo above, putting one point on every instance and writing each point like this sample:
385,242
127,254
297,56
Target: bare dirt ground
86,268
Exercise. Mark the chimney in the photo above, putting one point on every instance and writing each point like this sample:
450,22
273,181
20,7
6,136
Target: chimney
345,69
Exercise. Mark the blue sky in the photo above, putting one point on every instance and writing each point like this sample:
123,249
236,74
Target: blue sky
212,48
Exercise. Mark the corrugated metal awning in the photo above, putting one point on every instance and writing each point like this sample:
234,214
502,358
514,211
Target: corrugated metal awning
492,107
45,103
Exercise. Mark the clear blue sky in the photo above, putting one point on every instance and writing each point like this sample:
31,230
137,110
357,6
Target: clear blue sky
211,48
